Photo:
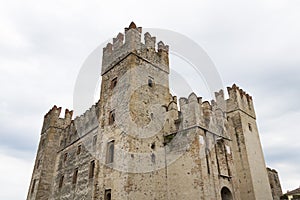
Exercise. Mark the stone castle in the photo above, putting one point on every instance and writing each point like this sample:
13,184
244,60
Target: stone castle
140,142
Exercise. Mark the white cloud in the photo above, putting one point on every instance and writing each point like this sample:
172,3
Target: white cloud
15,176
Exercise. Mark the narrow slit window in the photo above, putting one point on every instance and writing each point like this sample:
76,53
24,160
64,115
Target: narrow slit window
94,140
65,157
75,174
33,186
61,181
113,83
150,82
38,164
78,149
92,169
207,160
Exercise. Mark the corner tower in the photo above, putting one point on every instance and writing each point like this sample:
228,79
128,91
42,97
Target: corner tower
45,162
247,151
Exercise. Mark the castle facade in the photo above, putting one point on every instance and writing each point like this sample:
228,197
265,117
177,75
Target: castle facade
140,142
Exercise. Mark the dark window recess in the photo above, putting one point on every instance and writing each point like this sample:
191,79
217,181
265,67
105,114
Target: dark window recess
153,145
75,174
150,82
33,186
65,157
113,83
61,181
250,127
92,169
95,140
110,152
38,164
78,149
107,194
207,160
207,163
111,119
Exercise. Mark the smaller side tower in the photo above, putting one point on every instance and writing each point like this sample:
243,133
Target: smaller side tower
250,165
274,183
44,167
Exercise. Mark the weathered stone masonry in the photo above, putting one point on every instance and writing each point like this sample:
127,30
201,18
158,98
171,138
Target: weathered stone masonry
140,142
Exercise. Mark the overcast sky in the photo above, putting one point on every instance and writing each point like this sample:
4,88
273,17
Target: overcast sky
43,44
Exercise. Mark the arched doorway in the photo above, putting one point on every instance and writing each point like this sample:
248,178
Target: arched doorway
226,194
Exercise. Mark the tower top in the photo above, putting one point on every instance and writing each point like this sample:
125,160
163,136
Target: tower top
120,49
132,25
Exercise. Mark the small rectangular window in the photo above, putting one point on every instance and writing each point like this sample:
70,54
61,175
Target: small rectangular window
92,169
75,174
95,140
65,157
38,164
61,181
113,83
250,127
150,83
78,149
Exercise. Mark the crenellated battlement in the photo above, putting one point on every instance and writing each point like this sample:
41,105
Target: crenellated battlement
212,115
52,119
53,112
120,49
194,111
239,100
78,127
87,121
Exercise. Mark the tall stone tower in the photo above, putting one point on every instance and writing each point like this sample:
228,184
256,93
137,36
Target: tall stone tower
134,94
140,142
247,150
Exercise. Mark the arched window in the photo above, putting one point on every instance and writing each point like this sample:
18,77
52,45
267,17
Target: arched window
226,194
110,152
113,83
111,119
